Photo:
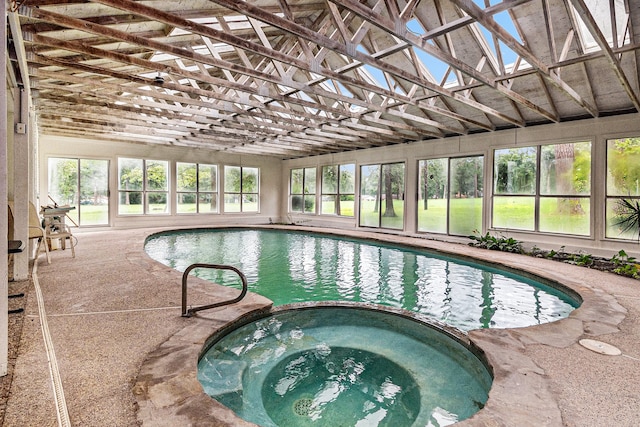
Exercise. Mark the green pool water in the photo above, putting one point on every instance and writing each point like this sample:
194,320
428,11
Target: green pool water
343,366
289,267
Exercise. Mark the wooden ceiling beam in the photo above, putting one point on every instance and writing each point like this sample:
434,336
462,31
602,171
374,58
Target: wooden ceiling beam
593,28
351,51
469,7
391,27
174,70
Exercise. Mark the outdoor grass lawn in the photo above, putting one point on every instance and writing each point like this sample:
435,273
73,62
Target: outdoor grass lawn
370,217
465,214
346,207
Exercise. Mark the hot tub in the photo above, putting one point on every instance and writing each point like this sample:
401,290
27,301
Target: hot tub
344,364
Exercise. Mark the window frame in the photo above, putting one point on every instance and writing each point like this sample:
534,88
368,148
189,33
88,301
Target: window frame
447,192
198,192
378,199
308,182
540,197
616,197
242,194
145,191
338,195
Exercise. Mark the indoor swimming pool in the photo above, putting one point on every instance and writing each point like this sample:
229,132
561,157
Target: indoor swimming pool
289,267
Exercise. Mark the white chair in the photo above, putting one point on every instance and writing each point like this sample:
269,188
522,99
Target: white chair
35,229
56,229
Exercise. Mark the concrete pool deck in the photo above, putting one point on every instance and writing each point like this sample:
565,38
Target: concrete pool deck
125,357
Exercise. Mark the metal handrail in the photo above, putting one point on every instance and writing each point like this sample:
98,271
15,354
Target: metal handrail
188,312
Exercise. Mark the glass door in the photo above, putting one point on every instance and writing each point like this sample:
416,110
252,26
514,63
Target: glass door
83,183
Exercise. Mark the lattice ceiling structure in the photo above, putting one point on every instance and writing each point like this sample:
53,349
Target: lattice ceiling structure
296,78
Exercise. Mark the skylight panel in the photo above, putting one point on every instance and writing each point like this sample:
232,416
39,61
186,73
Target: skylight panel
415,27
435,67
375,76
343,90
601,13
505,21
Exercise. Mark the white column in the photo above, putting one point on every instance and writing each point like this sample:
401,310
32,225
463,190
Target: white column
21,182
4,268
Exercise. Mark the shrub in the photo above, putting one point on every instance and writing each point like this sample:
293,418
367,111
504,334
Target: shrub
496,243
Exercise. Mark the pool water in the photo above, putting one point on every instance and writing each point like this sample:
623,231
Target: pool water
343,366
289,267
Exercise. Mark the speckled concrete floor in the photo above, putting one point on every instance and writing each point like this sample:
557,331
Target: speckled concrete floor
126,357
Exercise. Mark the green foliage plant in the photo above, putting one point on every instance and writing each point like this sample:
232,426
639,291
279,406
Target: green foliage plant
582,259
552,253
625,265
496,243
628,216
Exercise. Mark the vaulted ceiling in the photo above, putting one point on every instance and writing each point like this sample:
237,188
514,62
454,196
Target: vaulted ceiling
294,78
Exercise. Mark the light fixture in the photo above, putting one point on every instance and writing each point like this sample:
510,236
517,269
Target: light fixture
158,79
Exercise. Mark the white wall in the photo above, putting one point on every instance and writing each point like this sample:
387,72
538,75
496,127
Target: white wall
274,179
50,146
595,130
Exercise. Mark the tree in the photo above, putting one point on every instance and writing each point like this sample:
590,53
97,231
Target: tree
347,180
393,176
93,178
515,171
624,166
156,175
186,181
64,180
330,179
388,192
433,180
131,178
567,173
467,177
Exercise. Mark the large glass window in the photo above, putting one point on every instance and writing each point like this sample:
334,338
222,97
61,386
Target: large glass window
382,196
514,188
465,195
553,197
143,186
241,189
433,197
565,188
84,184
303,190
623,188
196,188
338,189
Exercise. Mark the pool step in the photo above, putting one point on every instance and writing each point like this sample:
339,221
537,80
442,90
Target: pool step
224,382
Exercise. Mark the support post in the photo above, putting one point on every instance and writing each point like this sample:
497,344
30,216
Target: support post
4,247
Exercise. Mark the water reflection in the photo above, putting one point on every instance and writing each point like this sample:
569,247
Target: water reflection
296,267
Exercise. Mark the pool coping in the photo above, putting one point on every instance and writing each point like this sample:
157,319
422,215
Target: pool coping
168,393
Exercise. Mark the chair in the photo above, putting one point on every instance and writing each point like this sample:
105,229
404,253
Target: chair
55,228
35,229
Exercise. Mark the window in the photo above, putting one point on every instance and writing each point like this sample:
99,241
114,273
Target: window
450,195
514,188
84,184
241,189
338,190
382,196
613,27
553,197
623,188
197,188
433,200
302,188
465,195
143,186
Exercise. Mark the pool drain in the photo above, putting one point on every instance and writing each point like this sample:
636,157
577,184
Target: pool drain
302,407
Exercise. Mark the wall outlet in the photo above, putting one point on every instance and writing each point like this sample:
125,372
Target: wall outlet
21,128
